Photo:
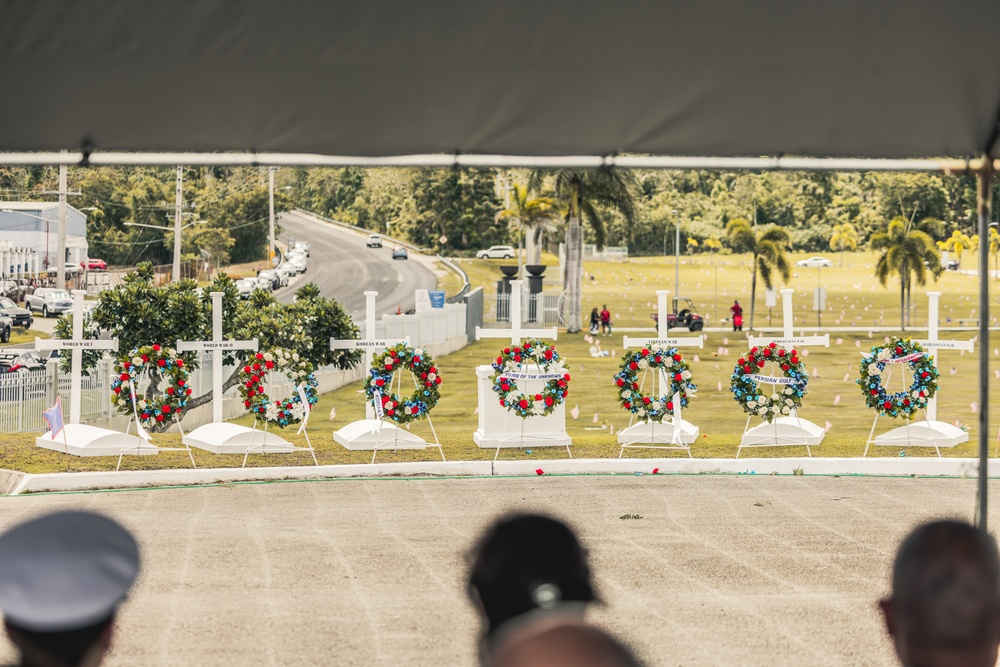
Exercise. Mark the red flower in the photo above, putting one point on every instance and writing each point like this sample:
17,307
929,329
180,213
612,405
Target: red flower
437,380
548,354
785,367
281,415
246,404
677,357
258,356
255,379
180,363
566,377
539,471
523,404
645,399
124,377
379,382
635,385
269,364
619,382
161,363
159,418
390,411
627,405
874,392
906,401
118,390
781,353
423,376
548,400
772,345
633,366
760,364
388,365
748,370
170,390
678,377
670,405
126,364
145,358
753,350
644,352
246,369
538,397
506,350
156,348
924,375
656,471
166,409
499,361
517,358
795,360
188,392
742,361
887,405
433,370
899,350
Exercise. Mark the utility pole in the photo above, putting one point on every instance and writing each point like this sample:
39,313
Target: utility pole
61,245
677,256
270,187
178,214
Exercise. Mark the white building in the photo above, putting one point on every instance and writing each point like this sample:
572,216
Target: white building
29,237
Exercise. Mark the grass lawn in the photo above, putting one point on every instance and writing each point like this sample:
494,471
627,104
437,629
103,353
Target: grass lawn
19,336
854,299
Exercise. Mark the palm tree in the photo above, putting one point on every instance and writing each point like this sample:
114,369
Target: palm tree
957,243
845,237
768,247
908,252
583,191
537,215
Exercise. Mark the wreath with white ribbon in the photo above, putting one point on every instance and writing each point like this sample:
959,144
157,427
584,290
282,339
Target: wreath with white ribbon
378,384
510,367
657,358
901,403
280,412
141,361
788,388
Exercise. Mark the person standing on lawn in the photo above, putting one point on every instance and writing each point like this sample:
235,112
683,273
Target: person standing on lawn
737,310
595,322
605,320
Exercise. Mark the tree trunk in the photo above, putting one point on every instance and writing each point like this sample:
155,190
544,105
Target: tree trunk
753,292
574,264
902,302
841,258
535,256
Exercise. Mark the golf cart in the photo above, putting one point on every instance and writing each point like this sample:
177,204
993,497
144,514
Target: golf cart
686,317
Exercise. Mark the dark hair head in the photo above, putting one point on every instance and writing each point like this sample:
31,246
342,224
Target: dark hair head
66,648
524,562
946,586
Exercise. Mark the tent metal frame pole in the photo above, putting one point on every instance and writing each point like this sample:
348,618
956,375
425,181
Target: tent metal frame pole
983,206
107,158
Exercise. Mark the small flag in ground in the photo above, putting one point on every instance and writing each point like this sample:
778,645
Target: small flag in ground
53,417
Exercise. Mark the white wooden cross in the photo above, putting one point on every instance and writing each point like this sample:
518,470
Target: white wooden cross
516,332
77,344
369,343
935,344
216,345
663,339
788,323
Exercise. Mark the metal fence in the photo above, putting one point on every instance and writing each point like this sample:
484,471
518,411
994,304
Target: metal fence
545,309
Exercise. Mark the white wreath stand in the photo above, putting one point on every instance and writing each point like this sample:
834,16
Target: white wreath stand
791,430
496,428
930,432
260,444
219,436
373,433
676,433
146,445
76,438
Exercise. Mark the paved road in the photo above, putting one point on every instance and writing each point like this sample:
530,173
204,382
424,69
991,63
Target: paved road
344,268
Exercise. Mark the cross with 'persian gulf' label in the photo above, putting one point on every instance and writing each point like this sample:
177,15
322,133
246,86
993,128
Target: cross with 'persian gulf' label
664,340
369,343
788,324
516,332
77,344
935,344
217,345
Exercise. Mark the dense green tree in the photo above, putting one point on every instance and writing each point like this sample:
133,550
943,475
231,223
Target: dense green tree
768,246
908,253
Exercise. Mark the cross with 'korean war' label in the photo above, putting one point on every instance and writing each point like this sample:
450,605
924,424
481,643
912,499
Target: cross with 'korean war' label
217,346
516,332
77,344
369,343
935,344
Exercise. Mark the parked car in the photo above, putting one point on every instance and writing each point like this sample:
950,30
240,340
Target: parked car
399,253
15,288
286,271
94,264
20,317
12,361
374,241
277,280
298,263
49,301
303,246
69,268
497,252
814,262
687,317
263,283
246,286
6,325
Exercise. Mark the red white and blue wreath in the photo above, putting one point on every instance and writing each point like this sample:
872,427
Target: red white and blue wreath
903,403
280,412
785,391
514,364
378,384
677,371
152,361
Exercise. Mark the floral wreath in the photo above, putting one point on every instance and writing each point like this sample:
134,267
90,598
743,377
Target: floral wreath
655,357
167,403
378,384
509,366
788,390
279,412
901,403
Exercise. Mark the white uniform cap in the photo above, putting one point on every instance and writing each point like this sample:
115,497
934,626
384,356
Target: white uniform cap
65,571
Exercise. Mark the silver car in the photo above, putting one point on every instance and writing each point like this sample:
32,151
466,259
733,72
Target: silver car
49,301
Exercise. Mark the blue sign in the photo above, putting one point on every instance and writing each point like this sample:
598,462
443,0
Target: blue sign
437,298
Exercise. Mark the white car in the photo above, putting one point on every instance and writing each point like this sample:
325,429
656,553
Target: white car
246,286
264,283
304,247
374,241
814,262
298,263
497,252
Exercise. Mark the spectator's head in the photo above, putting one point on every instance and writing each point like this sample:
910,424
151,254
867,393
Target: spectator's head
525,562
945,605
62,578
559,642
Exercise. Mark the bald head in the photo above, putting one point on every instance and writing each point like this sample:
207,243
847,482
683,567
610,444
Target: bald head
945,604
559,642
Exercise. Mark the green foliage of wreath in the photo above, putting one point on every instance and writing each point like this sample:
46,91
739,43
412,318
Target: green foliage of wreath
782,398
280,412
153,361
656,358
378,384
519,359
901,404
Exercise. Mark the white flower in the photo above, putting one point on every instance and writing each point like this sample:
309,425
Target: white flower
762,409
124,384
641,412
137,361
432,376
915,394
882,355
788,391
268,356
873,370
785,410
643,364
626,393
775,398
271,412
655,406
295,356
142,404
751,404
686,375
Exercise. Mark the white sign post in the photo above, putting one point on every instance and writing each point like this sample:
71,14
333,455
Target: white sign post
497,427
790,430
676,433
219,436
369,433
83,439
930,432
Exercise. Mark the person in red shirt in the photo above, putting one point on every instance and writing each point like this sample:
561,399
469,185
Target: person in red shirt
737,310
605,321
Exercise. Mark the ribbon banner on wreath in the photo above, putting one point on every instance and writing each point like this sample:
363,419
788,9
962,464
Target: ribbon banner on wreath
903,403
789,387
159,364
509,368
675,369
279,412
378,384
